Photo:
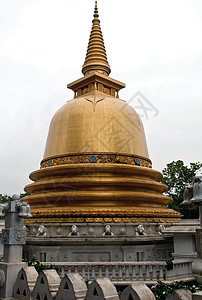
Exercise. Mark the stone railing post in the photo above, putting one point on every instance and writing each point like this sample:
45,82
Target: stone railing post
13,239
197,199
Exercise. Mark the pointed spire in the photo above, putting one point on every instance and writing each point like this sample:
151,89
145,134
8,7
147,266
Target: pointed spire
96,11
96,57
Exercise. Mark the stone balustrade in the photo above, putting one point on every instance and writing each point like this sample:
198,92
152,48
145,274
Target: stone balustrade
48,286
128,272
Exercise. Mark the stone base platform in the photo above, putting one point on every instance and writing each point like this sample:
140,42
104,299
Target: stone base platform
98,242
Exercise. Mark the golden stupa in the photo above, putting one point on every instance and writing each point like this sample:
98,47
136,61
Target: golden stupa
96,166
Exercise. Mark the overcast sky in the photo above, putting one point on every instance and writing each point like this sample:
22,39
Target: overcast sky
154,46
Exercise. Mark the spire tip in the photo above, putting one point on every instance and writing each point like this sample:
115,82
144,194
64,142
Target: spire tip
96,11
96,57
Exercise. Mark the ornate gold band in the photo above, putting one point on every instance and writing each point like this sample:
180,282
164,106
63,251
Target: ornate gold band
97,158
102,220
155,215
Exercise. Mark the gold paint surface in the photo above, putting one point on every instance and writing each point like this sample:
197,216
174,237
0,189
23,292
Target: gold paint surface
98,190
111,187
96,57
113,127
105,215
98,158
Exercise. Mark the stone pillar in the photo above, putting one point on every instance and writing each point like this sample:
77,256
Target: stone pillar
200,214
197,199
13,239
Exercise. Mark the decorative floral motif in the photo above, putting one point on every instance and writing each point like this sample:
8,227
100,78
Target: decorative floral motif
97,158
12,236
106,216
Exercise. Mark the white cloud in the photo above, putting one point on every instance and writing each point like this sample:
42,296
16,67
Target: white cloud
153,46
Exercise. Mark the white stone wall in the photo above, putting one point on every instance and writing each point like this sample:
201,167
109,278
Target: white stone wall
48,286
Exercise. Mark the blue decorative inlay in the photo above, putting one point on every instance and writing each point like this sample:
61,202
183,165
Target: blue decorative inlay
50,163
93,158
137,161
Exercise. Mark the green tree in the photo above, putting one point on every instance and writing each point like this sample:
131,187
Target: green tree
22,195
162,290
176,175
7,198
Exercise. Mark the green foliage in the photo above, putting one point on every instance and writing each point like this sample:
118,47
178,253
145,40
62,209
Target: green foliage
162,290
5,198
176,175
22,195
40,267
87,282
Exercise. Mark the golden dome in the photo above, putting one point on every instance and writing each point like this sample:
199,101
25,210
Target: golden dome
95,123
96,166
